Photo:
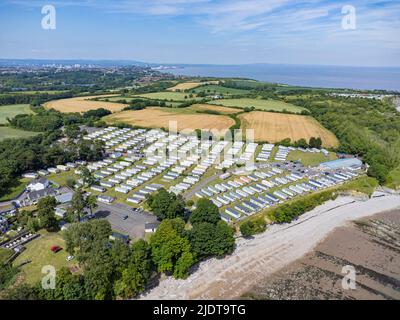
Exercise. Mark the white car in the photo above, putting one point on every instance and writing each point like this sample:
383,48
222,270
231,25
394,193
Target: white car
69,258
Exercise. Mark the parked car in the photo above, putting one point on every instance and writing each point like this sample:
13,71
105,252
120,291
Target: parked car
55,249
69,258
125,217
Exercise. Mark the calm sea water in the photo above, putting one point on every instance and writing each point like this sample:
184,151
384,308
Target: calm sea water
301,75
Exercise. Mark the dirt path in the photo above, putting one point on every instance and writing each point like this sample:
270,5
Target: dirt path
265,254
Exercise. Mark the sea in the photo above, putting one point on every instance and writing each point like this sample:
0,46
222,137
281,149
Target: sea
363,78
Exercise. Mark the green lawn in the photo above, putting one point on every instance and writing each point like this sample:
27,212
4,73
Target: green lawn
168,95
366,185
62,177
310,159
259,104
15,190
9,133
212,88
10,111
39,254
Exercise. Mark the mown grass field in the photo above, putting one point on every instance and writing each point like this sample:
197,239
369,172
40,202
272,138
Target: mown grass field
267,105
8,133
168,96
39,254
186,120
83,104
216,89
10,111
310,159
274,127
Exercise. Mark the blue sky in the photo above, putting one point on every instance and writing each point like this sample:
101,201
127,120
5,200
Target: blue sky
204,31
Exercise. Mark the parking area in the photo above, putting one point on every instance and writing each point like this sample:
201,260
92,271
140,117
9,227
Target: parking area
116,214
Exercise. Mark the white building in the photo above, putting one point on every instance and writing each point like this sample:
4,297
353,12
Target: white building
38,184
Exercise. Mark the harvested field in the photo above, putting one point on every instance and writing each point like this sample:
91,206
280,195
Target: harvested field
83,104
208,107
274,127
259,104
190,85
160,118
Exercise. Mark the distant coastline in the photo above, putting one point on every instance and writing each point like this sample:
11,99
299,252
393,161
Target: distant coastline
362,78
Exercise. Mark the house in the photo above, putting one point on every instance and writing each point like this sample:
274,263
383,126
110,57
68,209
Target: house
38,184
34,196
60,211
151,227
30,175
105,199
65,197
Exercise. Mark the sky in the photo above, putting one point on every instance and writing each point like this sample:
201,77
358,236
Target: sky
206,31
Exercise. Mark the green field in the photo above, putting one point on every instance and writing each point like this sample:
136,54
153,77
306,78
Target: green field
266,105
15,190
168,95
8,133
216,89
310,159
62,177
39,254
130,99
10,111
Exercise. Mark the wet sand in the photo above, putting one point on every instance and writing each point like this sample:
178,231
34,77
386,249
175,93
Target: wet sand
371,245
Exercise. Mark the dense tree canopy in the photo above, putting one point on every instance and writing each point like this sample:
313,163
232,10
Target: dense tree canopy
206,211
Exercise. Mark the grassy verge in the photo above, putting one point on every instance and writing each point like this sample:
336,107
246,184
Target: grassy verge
39,254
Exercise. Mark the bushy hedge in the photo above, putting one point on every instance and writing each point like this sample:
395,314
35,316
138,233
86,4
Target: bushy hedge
290,211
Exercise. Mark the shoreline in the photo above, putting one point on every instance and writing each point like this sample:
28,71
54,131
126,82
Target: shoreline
255,259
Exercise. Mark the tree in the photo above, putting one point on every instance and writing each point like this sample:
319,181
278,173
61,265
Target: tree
206,211
71,182
252,227
170,248
315,142
78,205
46,213
87,177
80,238
208,239
91,202
166,205
137,271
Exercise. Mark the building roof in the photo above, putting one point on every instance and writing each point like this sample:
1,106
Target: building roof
35,195
64,198
342,163
151,225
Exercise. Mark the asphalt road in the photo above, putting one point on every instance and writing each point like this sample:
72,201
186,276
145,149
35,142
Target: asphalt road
132,226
